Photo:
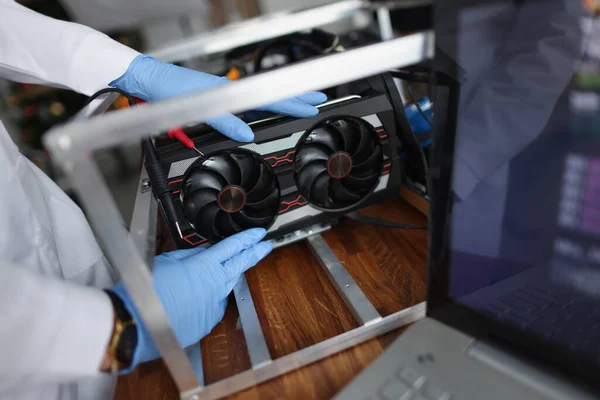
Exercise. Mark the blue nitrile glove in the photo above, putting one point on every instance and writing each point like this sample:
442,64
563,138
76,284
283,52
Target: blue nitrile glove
153,80
193,286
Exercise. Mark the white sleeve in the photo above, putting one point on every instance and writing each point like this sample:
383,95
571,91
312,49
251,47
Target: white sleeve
51,331
38,49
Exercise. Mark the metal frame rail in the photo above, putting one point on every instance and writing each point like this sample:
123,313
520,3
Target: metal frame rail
282,23
130,252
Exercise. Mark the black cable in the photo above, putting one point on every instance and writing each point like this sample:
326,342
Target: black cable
158,178
288,44
409,76
381,222
411,145
262,52
416,103
99,93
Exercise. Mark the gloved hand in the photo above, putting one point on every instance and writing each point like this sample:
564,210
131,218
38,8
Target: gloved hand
193,286
152,80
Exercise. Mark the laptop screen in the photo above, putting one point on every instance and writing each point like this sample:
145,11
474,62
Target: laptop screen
524,232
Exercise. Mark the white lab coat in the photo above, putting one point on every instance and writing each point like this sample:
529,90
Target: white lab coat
53,325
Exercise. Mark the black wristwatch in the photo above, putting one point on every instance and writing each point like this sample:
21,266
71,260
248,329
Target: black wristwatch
124,339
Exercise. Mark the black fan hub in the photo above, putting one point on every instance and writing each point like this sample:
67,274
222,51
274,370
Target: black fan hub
232,198
339,165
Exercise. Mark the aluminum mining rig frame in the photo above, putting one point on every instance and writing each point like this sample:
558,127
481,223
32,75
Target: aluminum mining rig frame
131,251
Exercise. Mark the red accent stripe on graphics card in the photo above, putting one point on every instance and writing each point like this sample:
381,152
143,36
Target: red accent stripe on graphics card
284,158
297,202
186,238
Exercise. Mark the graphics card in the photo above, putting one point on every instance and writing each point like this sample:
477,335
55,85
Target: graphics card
297,173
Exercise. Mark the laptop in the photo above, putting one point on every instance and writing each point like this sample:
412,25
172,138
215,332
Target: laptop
513,305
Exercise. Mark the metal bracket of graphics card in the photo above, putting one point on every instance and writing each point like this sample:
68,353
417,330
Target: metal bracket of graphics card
299,235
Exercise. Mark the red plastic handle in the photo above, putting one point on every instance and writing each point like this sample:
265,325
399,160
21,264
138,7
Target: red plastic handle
179,134
175,133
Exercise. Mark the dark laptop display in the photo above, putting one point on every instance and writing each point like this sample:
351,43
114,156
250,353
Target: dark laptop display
522,233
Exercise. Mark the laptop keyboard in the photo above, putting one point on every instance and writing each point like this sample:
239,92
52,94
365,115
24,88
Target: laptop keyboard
553,313
407,384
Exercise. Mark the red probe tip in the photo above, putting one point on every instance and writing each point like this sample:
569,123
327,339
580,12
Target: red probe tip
179,134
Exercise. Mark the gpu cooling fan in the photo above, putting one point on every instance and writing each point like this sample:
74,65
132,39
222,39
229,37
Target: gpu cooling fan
228,192
338,162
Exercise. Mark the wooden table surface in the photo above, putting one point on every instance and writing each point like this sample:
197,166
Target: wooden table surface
298,306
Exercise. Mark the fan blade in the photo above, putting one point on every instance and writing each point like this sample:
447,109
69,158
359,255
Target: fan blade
359,184
265,207
370,164
350,132
201,178
308,174
246,222
195,201
365,147
339,193
248,170
264,186
205,222
226,225
225,166
328,136
320,190
309,153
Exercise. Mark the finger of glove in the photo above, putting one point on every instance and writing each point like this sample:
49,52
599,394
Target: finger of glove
293,107
301,106
169,80
232,127
192,252
233,245
304,100
245,260
180,254
313,98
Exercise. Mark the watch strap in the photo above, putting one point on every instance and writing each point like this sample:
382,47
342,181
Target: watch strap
123,342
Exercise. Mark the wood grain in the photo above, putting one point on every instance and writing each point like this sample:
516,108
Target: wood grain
297,307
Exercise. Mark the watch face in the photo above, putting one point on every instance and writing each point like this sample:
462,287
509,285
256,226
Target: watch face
127,344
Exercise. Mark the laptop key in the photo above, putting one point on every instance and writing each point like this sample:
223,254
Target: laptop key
516,303
410,376
433,392
515,319
528,298
393,389
445,396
